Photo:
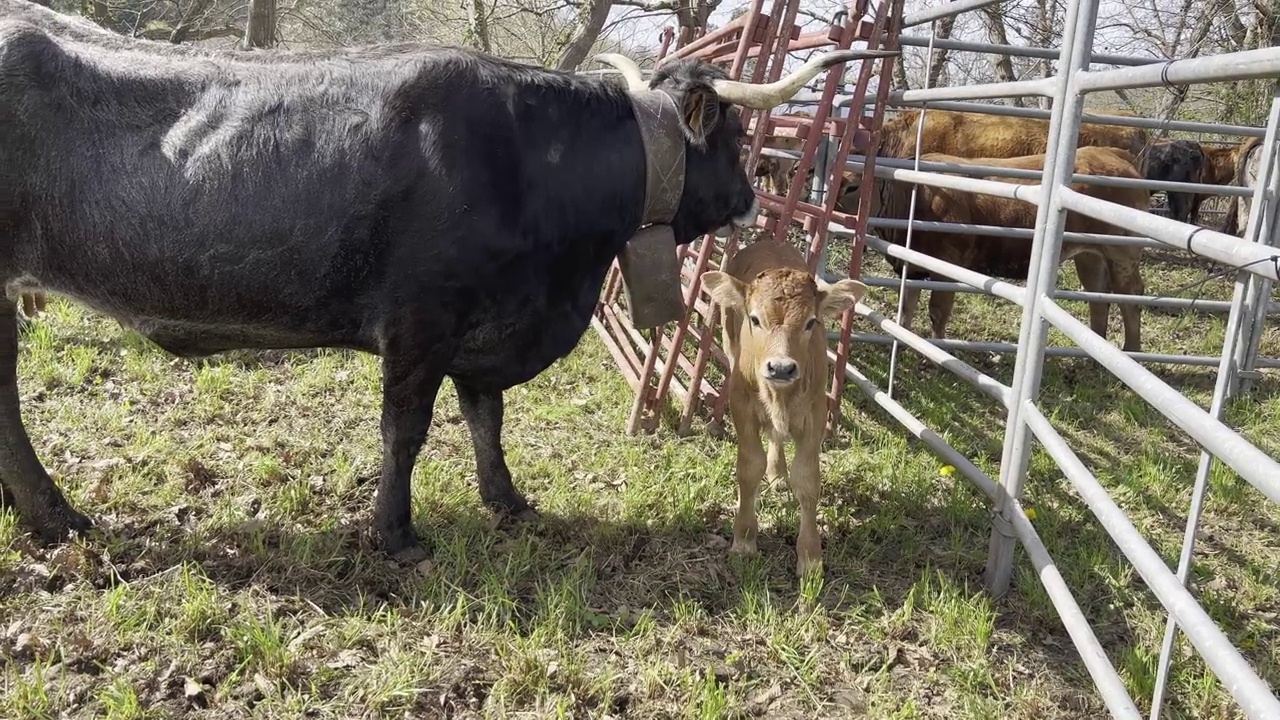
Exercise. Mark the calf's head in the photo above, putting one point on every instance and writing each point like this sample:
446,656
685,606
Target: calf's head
716,190
781,311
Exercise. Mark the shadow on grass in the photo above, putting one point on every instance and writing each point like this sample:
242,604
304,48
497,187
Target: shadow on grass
1076,394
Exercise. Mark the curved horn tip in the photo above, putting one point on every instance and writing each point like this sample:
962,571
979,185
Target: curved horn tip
841,56
609,58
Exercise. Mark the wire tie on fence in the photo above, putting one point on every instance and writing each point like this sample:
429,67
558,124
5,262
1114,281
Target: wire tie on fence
1002,525
1168,84
1189,237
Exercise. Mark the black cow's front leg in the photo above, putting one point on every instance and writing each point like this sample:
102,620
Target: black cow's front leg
409,387
24,484
483,413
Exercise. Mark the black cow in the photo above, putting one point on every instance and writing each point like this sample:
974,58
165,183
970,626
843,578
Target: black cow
1178,161
450,211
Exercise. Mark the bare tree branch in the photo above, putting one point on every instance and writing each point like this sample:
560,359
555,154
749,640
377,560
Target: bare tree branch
590,22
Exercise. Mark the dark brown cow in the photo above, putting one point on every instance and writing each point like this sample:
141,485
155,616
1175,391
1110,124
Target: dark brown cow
1102,268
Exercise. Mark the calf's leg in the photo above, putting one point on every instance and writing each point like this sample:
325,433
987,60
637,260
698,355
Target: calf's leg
750,471
482,410
33,304
26,485
410,383
1092,270
1126,279
806,484
776,468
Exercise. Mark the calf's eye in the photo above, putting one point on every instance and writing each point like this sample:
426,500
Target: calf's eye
809,325
755,321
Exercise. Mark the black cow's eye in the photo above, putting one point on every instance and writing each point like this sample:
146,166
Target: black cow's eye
755,321
809,325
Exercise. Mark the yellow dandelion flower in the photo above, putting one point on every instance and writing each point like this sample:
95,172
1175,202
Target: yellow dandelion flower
947,470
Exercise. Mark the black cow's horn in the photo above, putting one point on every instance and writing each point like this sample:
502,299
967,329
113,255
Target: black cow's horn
628,67
766,97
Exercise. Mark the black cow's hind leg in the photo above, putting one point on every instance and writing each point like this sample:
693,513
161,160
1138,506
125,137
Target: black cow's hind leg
27,487
483,413
409,386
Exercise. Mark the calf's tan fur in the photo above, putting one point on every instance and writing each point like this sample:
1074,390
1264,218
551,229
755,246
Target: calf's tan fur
772,309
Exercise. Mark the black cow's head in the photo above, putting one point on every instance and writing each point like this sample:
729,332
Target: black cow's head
717,191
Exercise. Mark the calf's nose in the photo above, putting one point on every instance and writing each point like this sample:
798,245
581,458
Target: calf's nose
781,368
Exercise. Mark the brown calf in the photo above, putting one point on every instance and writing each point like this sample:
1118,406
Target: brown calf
771,309
33,303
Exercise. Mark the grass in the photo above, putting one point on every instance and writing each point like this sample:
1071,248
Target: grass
233,576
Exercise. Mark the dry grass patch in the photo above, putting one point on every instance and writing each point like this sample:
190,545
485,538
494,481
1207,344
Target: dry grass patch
232,575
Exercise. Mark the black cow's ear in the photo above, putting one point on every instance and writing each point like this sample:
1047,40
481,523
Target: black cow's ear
701,112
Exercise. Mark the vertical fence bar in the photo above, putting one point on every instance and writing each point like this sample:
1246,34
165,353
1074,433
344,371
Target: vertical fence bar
1263,208
888,14
1059,163
1261,219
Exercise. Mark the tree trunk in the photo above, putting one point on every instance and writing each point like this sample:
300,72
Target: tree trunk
692,17
1004,64
1044,38
260,30
939,65
591,19
899,74
479,22
1175,97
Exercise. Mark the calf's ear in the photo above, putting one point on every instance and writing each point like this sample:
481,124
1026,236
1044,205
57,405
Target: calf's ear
835,299
725,289
700,112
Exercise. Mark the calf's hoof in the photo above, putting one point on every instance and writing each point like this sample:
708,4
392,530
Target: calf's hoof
743,547
809,567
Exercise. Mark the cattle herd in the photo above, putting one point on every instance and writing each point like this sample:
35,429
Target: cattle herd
455,214
967,138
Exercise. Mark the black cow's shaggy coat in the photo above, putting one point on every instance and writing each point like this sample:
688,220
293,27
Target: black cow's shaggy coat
451,212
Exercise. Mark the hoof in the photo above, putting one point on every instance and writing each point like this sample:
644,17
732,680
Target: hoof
745,548
503,517
511,504
412,555
402,545
56,524
809,568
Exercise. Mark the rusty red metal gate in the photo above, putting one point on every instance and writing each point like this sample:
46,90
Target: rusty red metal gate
686,360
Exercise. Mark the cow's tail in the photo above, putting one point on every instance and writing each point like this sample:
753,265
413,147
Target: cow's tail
1242,159
1232,218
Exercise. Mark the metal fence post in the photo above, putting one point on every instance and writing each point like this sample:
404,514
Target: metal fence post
1059,165
1263,228
1235,358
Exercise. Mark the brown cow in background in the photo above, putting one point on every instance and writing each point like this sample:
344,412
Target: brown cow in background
1244,173
1102,268
977,135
